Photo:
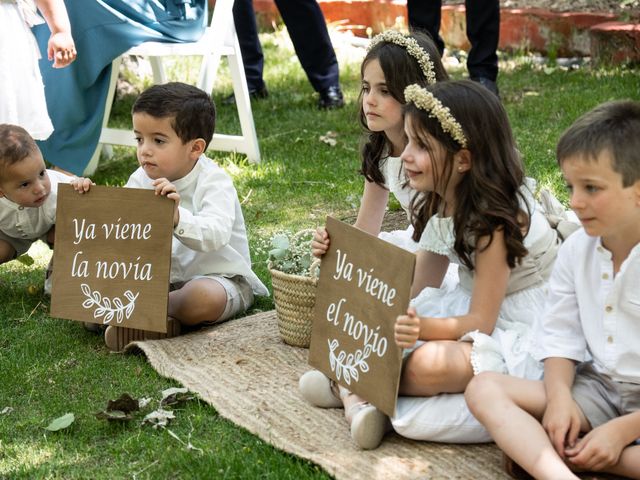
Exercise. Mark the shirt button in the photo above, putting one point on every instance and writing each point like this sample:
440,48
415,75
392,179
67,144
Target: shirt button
605,276
181,231
610,339
20,207
599,249
608,308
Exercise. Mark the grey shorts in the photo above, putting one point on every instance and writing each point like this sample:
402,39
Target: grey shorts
602,399
20,245
238,290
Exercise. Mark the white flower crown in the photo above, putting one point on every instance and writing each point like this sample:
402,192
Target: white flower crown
412,47
424,100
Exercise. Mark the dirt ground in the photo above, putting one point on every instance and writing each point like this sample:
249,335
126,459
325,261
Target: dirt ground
614,6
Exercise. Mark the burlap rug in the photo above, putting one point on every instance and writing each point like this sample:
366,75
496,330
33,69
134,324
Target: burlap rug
250,376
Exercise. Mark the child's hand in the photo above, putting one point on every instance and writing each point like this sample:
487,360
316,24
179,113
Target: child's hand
407,329
561,421
81,184
320,242
166,188
598,449
61,49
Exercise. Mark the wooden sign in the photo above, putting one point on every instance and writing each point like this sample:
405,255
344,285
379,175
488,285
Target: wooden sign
365,283
112,257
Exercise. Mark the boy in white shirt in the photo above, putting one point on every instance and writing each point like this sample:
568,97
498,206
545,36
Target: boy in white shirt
211,276
28,193
589,337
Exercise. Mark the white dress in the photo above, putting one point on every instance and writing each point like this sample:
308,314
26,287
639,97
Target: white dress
22,100
508,349
395,181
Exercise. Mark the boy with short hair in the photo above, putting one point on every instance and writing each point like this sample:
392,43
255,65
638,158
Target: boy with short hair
589,337
211,276
28,193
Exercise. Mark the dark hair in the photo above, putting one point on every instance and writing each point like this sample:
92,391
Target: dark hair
488,196
15,145
400,69
612,126
193,111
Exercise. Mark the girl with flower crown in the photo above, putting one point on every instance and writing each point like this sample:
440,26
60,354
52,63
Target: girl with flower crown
393,61
477,210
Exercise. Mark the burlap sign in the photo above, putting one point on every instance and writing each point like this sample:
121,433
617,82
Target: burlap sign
112,257
365,283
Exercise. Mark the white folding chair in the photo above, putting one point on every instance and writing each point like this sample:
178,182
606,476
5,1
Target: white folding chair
220,39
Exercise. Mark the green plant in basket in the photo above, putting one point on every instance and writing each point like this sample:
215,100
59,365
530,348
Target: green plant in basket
291,253
294,280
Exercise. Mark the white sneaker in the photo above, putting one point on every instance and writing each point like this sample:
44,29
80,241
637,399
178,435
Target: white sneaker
315,388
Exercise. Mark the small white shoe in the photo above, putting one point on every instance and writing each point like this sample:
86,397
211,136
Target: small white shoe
315,388
368,426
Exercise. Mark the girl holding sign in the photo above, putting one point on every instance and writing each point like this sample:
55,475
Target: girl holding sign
393,61
477,211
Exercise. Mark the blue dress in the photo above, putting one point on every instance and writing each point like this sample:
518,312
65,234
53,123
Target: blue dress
102,30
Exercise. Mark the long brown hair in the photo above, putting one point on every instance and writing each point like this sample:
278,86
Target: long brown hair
488,196
400,69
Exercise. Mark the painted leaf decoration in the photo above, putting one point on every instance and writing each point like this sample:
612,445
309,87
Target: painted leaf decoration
98,312
118,303
364,366
106,302
61,422
346,376
85,289
108,317
88,303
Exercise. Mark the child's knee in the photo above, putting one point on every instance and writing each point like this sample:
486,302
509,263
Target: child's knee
7,252
482,390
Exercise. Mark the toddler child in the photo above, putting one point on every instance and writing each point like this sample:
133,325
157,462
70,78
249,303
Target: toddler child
28,194
211,276
589,335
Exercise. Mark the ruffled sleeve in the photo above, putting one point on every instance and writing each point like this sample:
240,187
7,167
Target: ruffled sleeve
437,236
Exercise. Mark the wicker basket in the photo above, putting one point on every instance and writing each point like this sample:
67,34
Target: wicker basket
294,296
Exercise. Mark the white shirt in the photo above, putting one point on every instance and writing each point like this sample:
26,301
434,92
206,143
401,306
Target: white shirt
591,314
210,237
31,223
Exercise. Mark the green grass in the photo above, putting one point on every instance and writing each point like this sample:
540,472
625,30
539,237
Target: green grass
51,367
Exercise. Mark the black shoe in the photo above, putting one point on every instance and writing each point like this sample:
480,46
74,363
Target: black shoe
331,98
488,84
254,94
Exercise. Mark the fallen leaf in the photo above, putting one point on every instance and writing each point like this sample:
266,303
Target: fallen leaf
26,260
114,415
175,396
125,403
158,418
61,422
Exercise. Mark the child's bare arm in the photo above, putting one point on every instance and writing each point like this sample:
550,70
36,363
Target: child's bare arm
61,48
602,446
430,270
489,289
81,184
562,418
372,208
